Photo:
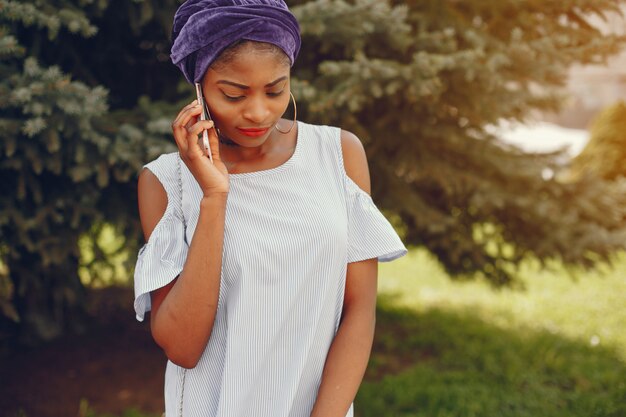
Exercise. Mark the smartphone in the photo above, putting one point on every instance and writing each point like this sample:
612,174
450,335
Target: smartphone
205,115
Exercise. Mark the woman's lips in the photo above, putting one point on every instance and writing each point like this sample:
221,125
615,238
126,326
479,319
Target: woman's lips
253,132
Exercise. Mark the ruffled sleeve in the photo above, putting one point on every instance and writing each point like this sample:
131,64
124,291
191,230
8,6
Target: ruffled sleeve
162,258
370,235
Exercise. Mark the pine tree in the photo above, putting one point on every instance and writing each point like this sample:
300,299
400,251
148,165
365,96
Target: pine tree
605,154
420,82
66,163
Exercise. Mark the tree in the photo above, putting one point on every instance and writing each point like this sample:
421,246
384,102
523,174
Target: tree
87,94
605,153
67,164
421,82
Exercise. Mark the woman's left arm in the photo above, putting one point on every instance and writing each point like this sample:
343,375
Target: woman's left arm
350,350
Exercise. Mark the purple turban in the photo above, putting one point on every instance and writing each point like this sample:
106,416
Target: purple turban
204,28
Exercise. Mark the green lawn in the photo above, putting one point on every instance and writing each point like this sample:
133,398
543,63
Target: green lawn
446,348
462,349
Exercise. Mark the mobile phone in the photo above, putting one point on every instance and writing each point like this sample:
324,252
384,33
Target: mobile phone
205,115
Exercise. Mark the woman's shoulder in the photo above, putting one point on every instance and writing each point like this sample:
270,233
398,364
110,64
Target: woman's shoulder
165,167
166,161
334,134
317,129
348,148
324,138
355,160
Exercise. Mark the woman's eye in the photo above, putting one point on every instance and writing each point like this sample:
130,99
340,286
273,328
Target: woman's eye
232,98
238,98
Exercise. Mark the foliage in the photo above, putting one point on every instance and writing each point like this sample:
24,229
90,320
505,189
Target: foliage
605,154
67,165
420,82
87,94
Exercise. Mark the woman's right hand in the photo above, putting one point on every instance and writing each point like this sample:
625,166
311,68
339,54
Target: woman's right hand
212,177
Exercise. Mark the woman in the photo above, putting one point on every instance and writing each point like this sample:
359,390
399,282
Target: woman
260,267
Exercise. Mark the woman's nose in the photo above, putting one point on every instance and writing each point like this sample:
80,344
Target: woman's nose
256,110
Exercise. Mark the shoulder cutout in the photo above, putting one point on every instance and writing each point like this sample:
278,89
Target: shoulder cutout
355,160
152,201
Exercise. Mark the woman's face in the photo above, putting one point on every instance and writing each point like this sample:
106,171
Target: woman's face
248,95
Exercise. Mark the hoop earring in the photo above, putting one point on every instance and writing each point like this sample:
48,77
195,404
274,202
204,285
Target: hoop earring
295,115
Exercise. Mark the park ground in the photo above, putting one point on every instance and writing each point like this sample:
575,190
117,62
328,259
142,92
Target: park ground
114,366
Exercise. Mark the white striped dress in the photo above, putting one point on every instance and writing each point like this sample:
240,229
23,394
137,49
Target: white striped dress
290,232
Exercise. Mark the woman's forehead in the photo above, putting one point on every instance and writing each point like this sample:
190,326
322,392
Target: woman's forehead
251,68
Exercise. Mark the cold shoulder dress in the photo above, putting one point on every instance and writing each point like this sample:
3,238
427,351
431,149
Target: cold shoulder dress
290,233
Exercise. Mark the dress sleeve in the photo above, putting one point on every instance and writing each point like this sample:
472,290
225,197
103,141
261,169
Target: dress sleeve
370,235
162,258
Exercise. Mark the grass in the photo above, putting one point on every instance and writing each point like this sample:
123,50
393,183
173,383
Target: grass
446,348
84,410
589,310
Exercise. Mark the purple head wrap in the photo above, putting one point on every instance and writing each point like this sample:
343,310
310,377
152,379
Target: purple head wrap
204,28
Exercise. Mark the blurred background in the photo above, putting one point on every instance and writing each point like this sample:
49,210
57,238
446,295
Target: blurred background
496,137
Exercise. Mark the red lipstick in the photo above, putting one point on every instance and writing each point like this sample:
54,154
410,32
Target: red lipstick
253,132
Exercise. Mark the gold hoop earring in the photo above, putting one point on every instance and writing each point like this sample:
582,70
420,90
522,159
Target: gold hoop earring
295,115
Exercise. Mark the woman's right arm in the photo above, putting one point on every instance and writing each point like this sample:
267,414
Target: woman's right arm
183,312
